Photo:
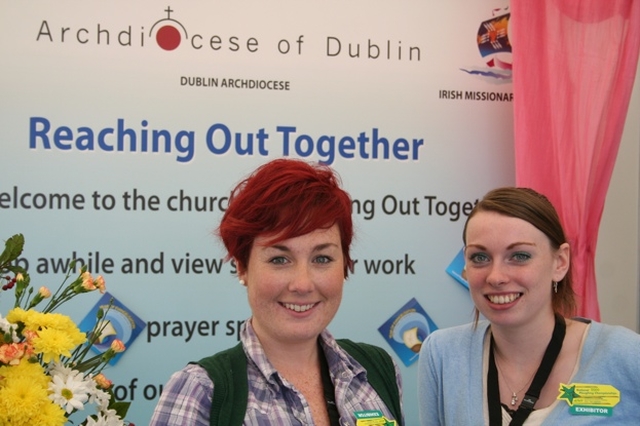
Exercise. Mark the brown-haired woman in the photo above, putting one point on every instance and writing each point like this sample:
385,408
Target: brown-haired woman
528,362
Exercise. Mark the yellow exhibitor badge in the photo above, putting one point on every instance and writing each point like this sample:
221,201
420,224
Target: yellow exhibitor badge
372,418
587,399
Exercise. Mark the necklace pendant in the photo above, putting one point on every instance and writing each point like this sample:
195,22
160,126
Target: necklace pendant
514,399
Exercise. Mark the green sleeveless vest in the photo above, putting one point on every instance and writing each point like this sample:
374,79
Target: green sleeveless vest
228,371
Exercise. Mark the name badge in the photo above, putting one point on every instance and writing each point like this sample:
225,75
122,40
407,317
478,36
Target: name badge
372,418
586,399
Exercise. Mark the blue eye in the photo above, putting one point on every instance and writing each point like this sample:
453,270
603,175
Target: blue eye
521,256
278,260
323,259
478,258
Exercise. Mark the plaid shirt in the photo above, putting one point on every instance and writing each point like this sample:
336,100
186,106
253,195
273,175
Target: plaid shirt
186,398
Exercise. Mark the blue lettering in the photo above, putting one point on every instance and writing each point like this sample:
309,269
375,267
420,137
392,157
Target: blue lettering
101,142
285,130
42,133
365,146
84,142
62,134
308,141
155,140
126,138
227,139
346,147
400,147
326,155
122,132
187,148
380,141
417,143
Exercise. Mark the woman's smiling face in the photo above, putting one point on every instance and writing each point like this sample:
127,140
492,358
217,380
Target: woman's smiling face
510,267
295,286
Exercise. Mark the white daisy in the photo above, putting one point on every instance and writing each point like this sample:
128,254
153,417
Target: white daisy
69,392
59,369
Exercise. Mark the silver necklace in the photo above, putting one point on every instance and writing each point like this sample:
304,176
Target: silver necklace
514,395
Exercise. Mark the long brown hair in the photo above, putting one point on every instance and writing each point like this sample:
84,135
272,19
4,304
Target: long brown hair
535,208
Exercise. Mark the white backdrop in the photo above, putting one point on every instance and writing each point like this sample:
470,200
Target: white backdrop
78,77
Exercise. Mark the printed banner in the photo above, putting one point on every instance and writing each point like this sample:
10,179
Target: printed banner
125,124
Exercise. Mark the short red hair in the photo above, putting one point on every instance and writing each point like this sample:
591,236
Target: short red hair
285,198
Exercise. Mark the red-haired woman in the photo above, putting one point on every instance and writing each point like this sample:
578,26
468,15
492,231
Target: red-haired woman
288,227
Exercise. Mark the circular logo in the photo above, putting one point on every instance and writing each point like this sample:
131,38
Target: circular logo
168,37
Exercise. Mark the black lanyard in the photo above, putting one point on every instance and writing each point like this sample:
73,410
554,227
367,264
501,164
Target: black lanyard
533,393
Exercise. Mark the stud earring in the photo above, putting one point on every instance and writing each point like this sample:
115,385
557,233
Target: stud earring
555,286
242,283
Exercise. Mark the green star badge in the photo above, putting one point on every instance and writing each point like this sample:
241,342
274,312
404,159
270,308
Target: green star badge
568,393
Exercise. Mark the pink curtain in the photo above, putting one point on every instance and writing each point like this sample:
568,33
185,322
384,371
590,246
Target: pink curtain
574,62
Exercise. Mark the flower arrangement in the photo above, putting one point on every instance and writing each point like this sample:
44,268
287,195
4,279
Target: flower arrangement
47,372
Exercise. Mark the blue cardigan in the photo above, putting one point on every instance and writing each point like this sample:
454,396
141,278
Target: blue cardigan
450,382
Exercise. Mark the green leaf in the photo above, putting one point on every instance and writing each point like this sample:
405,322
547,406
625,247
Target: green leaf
121,407
12,249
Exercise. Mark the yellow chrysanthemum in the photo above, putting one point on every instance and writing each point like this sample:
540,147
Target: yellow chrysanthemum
53,344
50,415
34,320
20,401
57,334
19,315
57,321
34,372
